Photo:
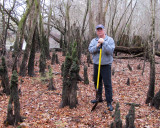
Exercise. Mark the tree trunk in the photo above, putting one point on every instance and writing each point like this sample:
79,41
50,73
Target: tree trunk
13,119
32,55
33,17
133,50
4,77
42,63
70,78
73,87
117,118
150,93
62,69
42,60
47,53
53,58
66,82
86,81
156,100
19,36
50,85
130,117
100,12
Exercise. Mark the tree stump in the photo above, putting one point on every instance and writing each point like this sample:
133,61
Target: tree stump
13,119
156,100
70,80
117,119
139,67
54,58
129,67
4,77
128,82
86,81
50,85
130,117
73,78
66,82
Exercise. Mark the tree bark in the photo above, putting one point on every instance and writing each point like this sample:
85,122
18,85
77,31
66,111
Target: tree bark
86,81
42,60
13,119
19,36
150,93
117,118
33,23
156,100
4,77
32,55
70,79
91,23
50,85
130,117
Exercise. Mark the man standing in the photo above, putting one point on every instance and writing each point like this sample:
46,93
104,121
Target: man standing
108,47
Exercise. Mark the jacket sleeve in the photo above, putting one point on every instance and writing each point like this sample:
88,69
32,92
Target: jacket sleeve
93,47
108,47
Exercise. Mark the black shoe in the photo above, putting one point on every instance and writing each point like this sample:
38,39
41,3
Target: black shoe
94,101
110,107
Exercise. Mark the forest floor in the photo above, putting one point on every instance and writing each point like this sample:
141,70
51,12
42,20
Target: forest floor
41,107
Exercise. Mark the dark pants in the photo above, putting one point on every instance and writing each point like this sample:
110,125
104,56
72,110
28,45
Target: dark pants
105,74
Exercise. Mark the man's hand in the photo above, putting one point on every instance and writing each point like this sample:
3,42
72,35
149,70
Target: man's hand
100,41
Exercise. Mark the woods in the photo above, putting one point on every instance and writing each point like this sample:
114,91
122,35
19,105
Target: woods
46,70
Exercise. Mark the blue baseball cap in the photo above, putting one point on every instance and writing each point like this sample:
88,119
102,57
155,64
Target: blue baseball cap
100,26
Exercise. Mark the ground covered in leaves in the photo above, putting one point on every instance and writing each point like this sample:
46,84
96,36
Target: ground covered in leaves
41,107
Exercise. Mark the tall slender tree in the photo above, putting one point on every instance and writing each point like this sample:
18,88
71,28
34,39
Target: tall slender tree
150,93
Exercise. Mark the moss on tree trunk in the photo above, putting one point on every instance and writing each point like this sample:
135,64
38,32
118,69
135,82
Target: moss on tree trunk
4,77
70,79
33,19
13,119
50,85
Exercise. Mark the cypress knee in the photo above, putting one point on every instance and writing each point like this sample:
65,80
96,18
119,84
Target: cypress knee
130,117
13,119
51,85
117,118
66,82
70,80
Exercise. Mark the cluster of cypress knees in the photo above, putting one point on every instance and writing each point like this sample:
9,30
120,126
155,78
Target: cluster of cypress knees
70,74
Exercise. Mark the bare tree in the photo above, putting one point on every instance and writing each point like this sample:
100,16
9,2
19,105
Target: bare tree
5,27
150,93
